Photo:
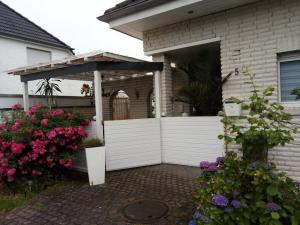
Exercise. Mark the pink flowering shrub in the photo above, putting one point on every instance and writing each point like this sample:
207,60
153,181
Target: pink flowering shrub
38,143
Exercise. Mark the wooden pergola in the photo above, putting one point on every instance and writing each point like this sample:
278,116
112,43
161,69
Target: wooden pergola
98,67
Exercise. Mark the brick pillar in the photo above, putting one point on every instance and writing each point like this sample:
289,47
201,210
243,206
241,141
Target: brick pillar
166,85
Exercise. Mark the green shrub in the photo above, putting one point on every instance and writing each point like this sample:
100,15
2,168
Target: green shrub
265,125
92,143
238,192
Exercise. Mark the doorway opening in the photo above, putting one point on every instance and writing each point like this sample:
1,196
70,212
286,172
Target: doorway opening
197,79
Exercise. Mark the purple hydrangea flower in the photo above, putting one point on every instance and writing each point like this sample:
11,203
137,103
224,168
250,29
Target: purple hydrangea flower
204,164
204,219
272,207
219,200
212,167
220,161
192,222
197,215
272,175
266,166
297,184
236,204
253,165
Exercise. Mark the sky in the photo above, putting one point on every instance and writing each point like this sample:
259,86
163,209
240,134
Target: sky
75,23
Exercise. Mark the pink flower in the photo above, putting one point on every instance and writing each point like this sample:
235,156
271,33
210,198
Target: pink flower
38,134
3,127
39,147
33,109
70,115
61,162
52,149
50,160
16,106
57,113
51,134
44,122
17,148
4,162
10,178
1,155
81,131
11,172
86,122
16,126
69,164
36,172
34,156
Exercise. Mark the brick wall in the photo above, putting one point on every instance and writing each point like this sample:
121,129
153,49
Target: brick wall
138,90
251,36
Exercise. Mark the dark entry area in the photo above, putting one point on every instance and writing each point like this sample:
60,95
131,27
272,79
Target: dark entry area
201,67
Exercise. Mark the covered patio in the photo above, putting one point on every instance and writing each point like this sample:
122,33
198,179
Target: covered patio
101,68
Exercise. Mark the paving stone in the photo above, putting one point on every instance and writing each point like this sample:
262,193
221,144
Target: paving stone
80,204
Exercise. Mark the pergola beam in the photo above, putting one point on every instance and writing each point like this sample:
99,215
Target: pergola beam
92,66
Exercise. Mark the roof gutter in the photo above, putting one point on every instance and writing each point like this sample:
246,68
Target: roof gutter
127,10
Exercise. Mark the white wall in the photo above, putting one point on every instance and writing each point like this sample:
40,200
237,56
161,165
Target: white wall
189,140
6,101
13,54
175,140
132,143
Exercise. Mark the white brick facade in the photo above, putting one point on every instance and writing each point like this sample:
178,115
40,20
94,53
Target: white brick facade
251,36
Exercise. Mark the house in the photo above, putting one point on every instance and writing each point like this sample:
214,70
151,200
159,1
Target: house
261,35
22,43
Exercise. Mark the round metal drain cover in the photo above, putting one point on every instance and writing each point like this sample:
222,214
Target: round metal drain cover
146,211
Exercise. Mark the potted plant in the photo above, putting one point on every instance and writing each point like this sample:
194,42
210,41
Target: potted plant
92,161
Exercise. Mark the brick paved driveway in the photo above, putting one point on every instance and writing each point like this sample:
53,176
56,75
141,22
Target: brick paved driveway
80,204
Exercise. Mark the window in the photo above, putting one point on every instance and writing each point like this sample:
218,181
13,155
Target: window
289,74
35,56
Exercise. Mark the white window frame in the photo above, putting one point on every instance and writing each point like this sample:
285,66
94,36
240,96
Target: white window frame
292,57
37,49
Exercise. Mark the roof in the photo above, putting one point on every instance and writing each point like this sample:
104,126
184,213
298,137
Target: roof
80,67
129,6
13,24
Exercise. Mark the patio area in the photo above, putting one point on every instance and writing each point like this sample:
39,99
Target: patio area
79,204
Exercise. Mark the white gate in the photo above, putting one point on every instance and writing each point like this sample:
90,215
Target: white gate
189,140
132,143
175,140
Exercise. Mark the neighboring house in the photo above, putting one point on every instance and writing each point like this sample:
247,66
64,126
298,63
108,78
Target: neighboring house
24,43
261,35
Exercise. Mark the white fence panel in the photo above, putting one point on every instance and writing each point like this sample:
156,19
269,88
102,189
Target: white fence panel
132,143
189,140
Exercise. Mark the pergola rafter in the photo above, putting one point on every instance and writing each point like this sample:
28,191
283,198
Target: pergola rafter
98,67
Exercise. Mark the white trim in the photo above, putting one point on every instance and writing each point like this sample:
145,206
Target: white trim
25,96
151,12
37,43
187,45
157,93
286,59
98,103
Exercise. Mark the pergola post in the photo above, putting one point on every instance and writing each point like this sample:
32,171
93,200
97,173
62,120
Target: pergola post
25,96
157,93
98,103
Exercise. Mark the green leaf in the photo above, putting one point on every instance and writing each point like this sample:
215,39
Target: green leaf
275,215
272,190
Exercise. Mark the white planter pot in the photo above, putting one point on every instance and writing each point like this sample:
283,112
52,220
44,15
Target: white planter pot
95,158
